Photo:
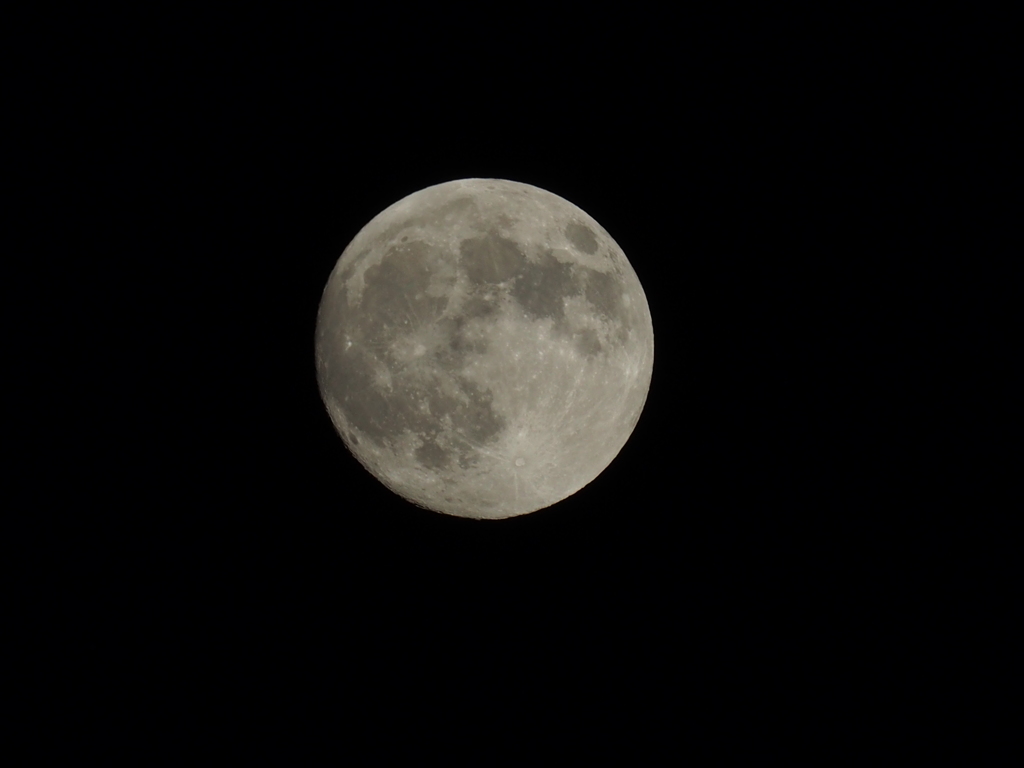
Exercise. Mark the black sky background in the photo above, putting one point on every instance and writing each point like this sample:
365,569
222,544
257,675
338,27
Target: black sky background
756,560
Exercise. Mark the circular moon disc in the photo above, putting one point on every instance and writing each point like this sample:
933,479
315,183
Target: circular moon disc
484,348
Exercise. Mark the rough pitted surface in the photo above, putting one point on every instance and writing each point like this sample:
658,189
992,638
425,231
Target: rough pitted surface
484,348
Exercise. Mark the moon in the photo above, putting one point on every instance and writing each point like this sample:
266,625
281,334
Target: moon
484,348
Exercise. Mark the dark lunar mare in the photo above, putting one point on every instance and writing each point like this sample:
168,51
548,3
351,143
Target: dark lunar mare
491,259
542,290
581,237
394,301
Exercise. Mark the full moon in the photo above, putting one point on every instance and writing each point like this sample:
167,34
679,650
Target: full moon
484,348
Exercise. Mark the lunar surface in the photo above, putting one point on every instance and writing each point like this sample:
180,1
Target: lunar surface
484,348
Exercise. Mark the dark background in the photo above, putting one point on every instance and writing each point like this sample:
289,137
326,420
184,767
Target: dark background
763,560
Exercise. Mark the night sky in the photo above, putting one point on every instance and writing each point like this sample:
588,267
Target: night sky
755,560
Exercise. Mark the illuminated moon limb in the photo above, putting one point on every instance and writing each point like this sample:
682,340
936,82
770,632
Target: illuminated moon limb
484,348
